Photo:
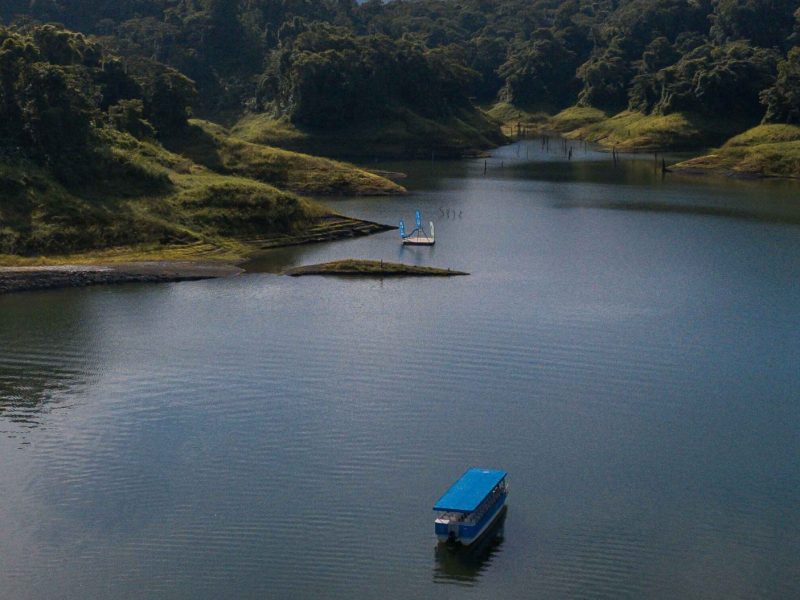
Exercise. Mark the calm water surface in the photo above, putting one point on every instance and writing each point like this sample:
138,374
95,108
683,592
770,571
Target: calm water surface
626,347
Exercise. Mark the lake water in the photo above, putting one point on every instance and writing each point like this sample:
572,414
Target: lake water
626,347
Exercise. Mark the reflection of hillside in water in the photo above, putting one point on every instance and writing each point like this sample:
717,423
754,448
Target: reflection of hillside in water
42,354
464,565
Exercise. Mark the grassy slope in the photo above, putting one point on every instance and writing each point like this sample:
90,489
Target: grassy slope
763,151
575,117
513,118
405,135
214,147
543,121
626,131
631,131
151,204
213,197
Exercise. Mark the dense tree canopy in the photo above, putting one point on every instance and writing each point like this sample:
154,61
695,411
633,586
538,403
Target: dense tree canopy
322,75
58,88
783,99
326,61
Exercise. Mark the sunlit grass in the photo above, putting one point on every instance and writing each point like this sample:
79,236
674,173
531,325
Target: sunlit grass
152,205
632,131
766,150
211,145
574,117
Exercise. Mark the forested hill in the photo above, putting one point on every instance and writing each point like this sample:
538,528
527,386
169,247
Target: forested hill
98,152
323,62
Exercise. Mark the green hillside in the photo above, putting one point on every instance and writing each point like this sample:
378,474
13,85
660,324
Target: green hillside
166,200
214,147
85,165
373,79
764,151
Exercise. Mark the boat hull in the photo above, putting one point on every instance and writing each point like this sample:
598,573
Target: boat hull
467,533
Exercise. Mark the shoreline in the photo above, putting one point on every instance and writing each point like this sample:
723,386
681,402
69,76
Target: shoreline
739,149
29,279
117,270
689,166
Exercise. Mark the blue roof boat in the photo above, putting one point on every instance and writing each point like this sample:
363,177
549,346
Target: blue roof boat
470,506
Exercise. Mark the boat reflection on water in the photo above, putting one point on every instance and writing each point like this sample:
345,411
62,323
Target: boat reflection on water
463,565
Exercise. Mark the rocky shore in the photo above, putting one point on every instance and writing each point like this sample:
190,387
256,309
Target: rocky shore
48,277
24,279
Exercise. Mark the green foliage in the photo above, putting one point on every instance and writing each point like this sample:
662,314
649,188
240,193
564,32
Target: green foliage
216,148
402,134
39,215
166,95
82,167
540,71
340,64
625,45
332,61
237,207
765,23
59,90
710,80
707,58
783,99
606,78
128,116
326,77
576,117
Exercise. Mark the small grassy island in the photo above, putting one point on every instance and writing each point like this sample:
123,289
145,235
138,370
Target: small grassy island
371,268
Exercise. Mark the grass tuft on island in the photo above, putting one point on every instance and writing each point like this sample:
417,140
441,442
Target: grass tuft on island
371,268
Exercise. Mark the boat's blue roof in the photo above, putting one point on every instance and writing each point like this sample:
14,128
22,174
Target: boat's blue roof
467,493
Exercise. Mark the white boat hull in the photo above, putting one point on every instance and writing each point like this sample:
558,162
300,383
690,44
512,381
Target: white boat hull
466,533
419,241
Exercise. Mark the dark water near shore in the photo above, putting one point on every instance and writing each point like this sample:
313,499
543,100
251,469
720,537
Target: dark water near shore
626,347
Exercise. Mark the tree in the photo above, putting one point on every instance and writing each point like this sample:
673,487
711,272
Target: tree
167,96
542,72
765,23
605,80
56,112
783,99
716,80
